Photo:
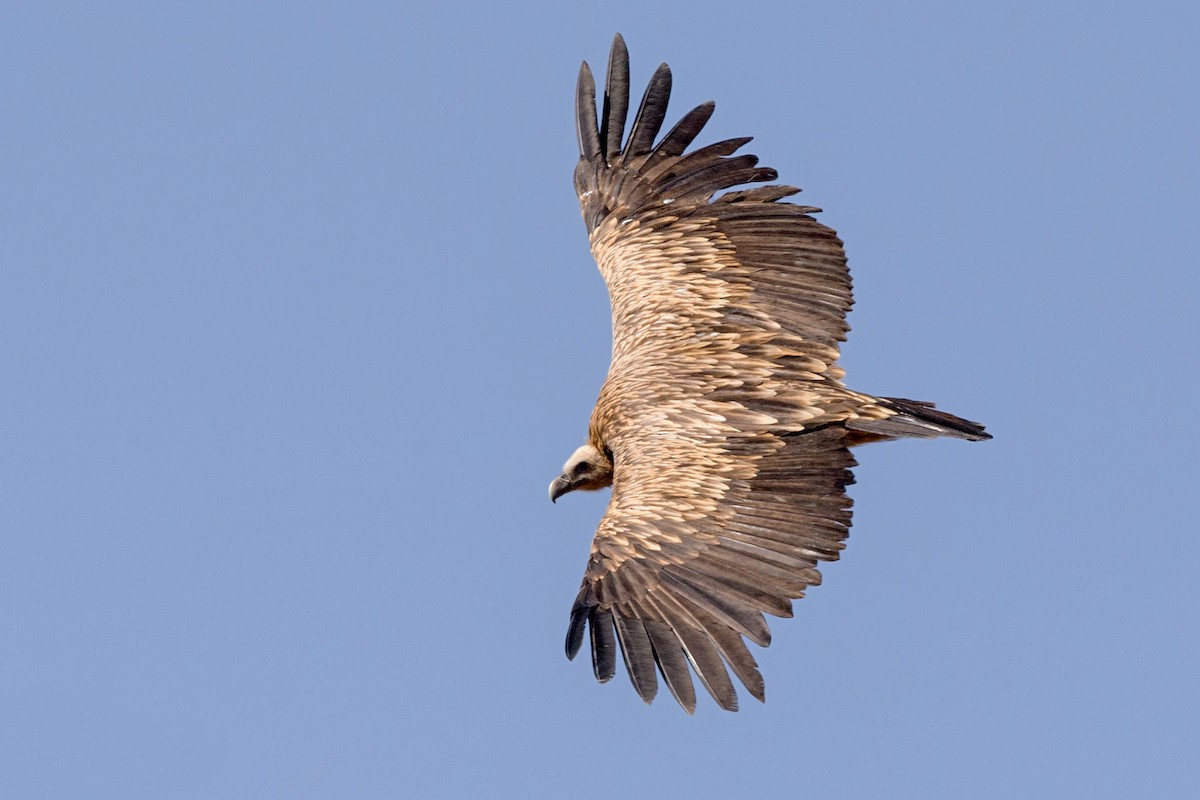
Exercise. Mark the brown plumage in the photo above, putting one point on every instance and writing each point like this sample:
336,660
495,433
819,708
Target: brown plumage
723,427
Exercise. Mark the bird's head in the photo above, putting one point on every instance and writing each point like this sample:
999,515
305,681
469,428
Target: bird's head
587,468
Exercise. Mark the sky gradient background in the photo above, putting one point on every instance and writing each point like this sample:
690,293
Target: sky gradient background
298,320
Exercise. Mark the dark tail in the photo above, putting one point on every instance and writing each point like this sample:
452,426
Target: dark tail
916,418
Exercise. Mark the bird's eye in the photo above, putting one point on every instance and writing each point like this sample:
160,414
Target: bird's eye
580,468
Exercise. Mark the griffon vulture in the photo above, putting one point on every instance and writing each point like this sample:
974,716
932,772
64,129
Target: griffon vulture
723,427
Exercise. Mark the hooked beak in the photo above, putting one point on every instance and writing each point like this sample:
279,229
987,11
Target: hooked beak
560,486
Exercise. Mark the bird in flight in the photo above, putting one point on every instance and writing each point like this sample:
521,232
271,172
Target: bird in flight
723,427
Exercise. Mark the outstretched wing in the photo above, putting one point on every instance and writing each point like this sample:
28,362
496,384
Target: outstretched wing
702,537
723,408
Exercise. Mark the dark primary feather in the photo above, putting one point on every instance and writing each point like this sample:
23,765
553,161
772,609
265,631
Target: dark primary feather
683,134
604,657
585,114
651,113
639,656
616,98
671,663
701,651
576,629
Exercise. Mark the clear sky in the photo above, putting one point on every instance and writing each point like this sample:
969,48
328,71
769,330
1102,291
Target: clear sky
298,320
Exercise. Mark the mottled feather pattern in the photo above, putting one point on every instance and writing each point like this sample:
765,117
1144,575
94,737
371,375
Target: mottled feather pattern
723,412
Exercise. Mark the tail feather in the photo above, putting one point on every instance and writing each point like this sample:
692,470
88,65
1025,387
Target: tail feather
920,419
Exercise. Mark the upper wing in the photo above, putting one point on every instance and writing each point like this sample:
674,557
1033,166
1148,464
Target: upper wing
723,404
743,264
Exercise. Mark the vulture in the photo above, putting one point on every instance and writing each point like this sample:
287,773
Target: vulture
723,428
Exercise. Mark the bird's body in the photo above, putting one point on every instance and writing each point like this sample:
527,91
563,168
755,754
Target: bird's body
723,427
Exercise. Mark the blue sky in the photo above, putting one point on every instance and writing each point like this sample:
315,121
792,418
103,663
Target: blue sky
298,320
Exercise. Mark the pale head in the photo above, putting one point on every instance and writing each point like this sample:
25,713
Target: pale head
588,468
